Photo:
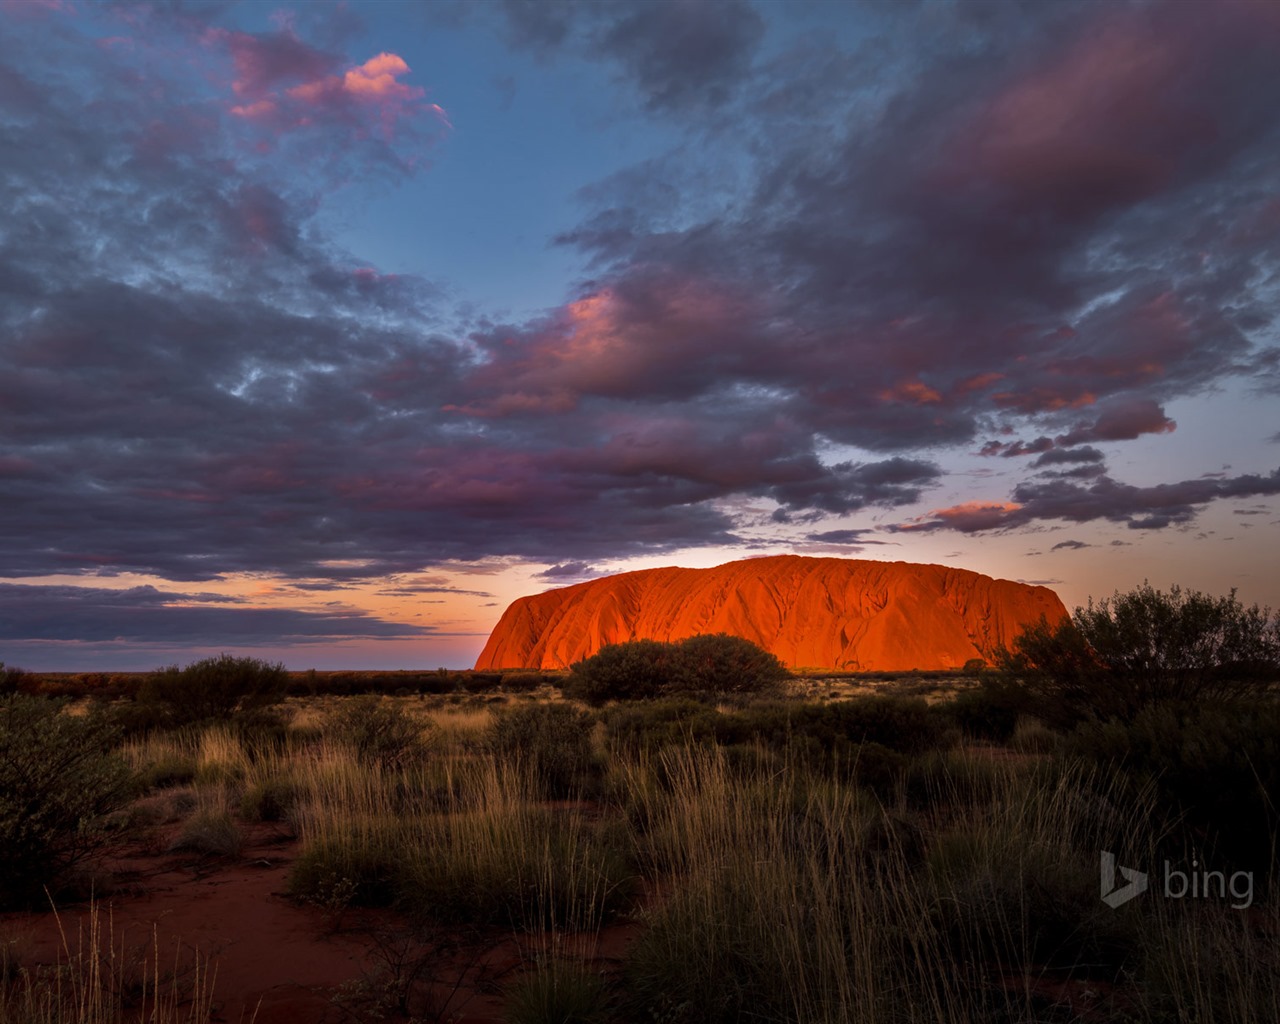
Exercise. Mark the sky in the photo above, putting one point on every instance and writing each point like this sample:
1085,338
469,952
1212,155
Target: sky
327,330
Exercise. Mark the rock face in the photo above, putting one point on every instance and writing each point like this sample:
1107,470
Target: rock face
837,613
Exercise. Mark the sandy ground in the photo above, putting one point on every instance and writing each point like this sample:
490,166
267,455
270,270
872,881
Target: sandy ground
279,962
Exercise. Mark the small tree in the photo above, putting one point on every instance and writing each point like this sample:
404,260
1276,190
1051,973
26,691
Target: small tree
57,779
635,670
378,731
213,688
719,664
1125,653
716,665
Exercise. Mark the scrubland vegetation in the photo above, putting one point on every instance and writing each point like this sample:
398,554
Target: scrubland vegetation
770,853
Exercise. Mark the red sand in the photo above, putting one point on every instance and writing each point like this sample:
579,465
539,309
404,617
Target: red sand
276,961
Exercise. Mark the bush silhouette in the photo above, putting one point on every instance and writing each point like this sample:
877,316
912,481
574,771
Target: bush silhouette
213,688
553,740
635,670
57,780
1114,658
722,665
714,665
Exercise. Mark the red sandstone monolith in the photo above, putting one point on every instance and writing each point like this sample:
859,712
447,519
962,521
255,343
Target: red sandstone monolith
825,613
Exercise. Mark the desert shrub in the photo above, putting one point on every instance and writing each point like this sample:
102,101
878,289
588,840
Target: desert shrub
12,679
269,799
1014,903
1123,654
552,740
721,665
708,665
989,711
651,725
378,731
261,729
58,778
212,832
213,688
904,724
168,772
635,670
481,682
558,992
363,870
1215,771
522,682
522,868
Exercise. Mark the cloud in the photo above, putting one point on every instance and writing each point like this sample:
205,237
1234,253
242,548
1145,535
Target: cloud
1122,420
1140,508
1070,545
146,614
573,571
991,228
682,55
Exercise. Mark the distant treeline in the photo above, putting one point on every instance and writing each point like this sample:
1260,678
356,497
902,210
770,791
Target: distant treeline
403,683
310,683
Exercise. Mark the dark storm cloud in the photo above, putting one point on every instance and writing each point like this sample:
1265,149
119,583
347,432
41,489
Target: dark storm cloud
1059,456
679,55
569,571
1141,508
988,212
145,614
1037,226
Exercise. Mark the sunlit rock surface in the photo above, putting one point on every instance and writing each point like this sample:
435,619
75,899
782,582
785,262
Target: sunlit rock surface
837,613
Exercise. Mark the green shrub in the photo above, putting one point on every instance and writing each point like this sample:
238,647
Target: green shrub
635,670
552,740
349,870
58,778
12,679
1215,771
989,711
1129,652
522,682
720,665
709,665
213,688
378,731
651,725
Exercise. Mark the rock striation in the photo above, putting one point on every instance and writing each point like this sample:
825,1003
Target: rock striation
836,613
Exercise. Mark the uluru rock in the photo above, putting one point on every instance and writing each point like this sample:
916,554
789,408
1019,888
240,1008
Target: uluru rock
837,613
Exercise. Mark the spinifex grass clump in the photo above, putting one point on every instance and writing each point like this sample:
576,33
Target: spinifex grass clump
517,866
465,842
799,899
553,744
100,978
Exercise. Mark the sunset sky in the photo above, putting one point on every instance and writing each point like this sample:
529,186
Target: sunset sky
327,330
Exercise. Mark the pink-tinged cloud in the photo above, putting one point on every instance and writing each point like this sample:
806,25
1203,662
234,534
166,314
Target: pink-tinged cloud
1106,122
913,392
654,336
283,85
36,7
1122,420
266,62
968,517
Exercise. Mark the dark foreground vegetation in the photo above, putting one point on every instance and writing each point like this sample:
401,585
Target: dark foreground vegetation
774,858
